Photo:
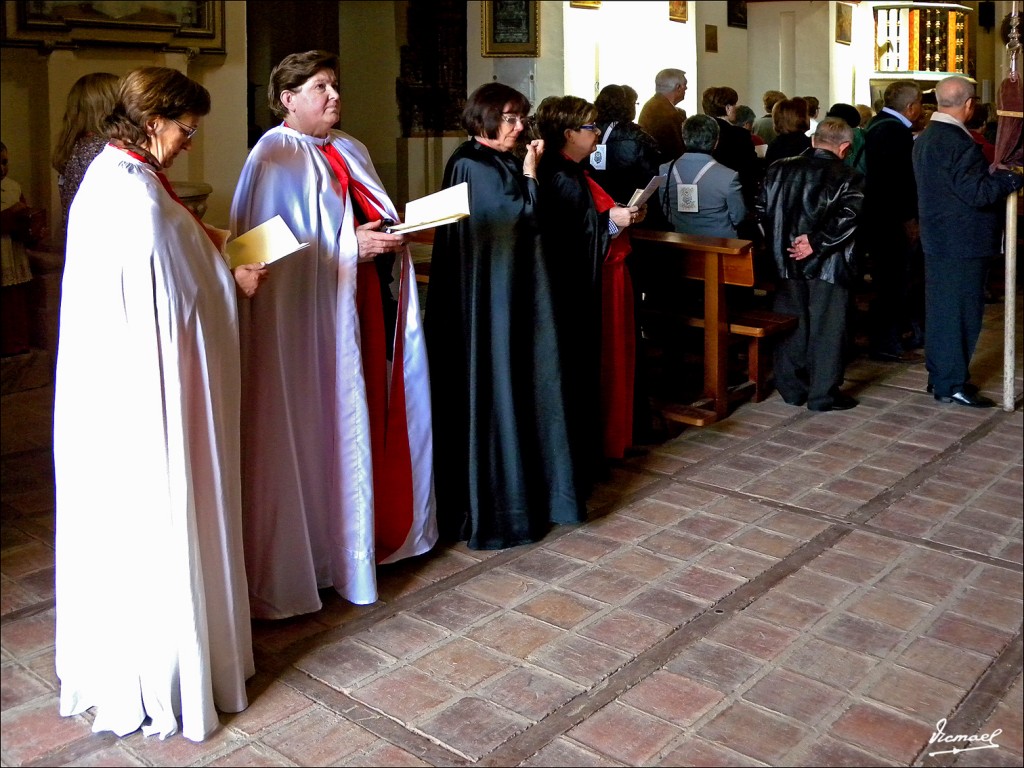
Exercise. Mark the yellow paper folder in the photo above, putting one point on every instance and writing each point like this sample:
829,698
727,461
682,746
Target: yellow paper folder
270,241
444,207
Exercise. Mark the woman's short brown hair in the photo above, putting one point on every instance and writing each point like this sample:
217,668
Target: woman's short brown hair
715,99
482,114
790,116
150,92
558,114
294,70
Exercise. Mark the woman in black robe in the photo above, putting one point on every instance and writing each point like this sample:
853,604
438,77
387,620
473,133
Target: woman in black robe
578,223
503,468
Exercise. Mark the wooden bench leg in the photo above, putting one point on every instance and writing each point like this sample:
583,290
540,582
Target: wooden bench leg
757,369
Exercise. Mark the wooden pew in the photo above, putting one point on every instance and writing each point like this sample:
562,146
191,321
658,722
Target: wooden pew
670,257
715,261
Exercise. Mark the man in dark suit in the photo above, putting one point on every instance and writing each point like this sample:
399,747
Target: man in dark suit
961,208
890,219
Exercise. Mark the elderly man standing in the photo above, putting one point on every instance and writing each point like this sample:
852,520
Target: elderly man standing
890,219
661,118
960,209
809,205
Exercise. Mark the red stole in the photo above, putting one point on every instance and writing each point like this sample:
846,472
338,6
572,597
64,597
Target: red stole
618,340
389,433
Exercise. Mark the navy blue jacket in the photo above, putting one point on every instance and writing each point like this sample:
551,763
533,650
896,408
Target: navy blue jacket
960,204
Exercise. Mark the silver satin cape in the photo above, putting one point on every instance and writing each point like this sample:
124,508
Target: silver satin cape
307,470
152,612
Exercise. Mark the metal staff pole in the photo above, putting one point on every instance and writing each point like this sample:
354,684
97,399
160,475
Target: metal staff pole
1011,111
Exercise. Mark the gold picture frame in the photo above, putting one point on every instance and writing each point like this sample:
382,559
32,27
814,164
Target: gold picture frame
711,38
844,23
677,11
191,26
592,4
510,28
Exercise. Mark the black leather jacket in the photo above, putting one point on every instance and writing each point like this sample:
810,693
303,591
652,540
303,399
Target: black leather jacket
817,195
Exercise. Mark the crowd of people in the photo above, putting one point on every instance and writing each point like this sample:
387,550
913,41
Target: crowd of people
282,431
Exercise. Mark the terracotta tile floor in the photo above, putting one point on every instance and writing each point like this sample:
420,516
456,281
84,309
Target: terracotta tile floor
782,588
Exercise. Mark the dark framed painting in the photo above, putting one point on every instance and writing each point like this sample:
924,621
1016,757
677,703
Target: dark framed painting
844,23
677,11
736,13
194,26
510,28
711,38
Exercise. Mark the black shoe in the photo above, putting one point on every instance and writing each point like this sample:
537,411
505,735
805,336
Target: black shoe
840,402
897,357
970,389
963,398
797,402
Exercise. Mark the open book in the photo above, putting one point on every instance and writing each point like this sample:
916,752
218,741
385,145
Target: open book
442,207
270,241
641,195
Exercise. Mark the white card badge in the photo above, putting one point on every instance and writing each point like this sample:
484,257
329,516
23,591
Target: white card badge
599,157
687,196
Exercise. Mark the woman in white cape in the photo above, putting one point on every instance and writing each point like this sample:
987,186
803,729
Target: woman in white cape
152,613
336,439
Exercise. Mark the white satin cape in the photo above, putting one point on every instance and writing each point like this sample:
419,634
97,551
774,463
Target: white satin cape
307,473
152,613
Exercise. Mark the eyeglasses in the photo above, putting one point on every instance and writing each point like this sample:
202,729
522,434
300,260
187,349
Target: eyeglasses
592,127
512,118
188,130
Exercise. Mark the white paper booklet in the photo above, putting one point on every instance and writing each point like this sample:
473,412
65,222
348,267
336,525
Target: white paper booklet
641,195
270,241
442,207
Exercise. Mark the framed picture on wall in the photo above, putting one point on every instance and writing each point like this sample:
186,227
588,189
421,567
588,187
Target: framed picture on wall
190,25
736,13
510,28
844,23
710,38
677,11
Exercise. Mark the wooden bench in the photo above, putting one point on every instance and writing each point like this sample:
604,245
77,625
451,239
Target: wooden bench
757,326
670,257
717,262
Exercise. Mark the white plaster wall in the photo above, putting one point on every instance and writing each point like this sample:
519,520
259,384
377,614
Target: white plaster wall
369,63
34,88
218,157
726,67
790,46
534,77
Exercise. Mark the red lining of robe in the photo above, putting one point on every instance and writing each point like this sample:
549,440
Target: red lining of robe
389,433
618,343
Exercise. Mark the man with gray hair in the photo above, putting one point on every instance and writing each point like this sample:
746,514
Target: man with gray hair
960,202
661,118
809,208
